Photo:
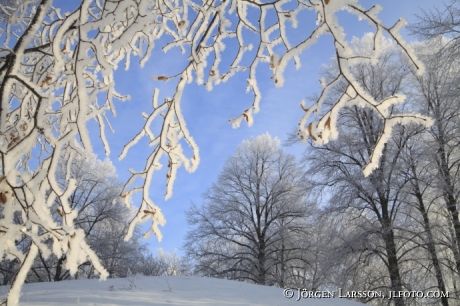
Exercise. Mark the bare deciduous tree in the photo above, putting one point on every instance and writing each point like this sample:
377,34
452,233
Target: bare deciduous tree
370,205
438,22
251,218
396,227
101,214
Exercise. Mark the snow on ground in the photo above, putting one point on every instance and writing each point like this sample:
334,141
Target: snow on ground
156,290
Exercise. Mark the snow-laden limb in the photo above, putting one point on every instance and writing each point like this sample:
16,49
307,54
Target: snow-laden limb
57,72
386,134
319,122
15,291
204,40
167,143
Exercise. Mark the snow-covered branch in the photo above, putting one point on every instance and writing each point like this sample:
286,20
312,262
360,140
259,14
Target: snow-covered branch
57,73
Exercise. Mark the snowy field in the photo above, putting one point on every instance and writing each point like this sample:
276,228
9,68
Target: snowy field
172,290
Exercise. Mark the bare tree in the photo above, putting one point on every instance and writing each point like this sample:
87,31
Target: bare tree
418,173
101,214
57,73
436,94
251,216
371,205
438,22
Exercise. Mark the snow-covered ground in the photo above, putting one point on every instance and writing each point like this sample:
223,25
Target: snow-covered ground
171,290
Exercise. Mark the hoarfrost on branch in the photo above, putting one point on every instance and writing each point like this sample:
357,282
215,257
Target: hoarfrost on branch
57,73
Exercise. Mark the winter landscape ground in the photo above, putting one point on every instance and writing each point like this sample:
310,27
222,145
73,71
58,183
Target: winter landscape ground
160,290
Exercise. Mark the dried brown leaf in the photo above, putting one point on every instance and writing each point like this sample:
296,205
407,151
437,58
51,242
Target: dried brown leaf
14,140
272,61
3,197
328,123
46,81
310,133
149,212
162,78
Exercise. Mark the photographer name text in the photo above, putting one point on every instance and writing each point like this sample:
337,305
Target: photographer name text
317,294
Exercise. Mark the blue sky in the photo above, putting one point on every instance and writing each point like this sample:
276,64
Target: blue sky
207,113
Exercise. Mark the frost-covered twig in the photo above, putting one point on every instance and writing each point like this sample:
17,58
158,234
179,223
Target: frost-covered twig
322,128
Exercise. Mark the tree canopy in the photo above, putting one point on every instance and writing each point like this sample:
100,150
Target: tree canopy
250,223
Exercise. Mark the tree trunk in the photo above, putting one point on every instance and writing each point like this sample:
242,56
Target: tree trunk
447,182
261,267
452,207
57,274
390,247
283,266
430,243
393,266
